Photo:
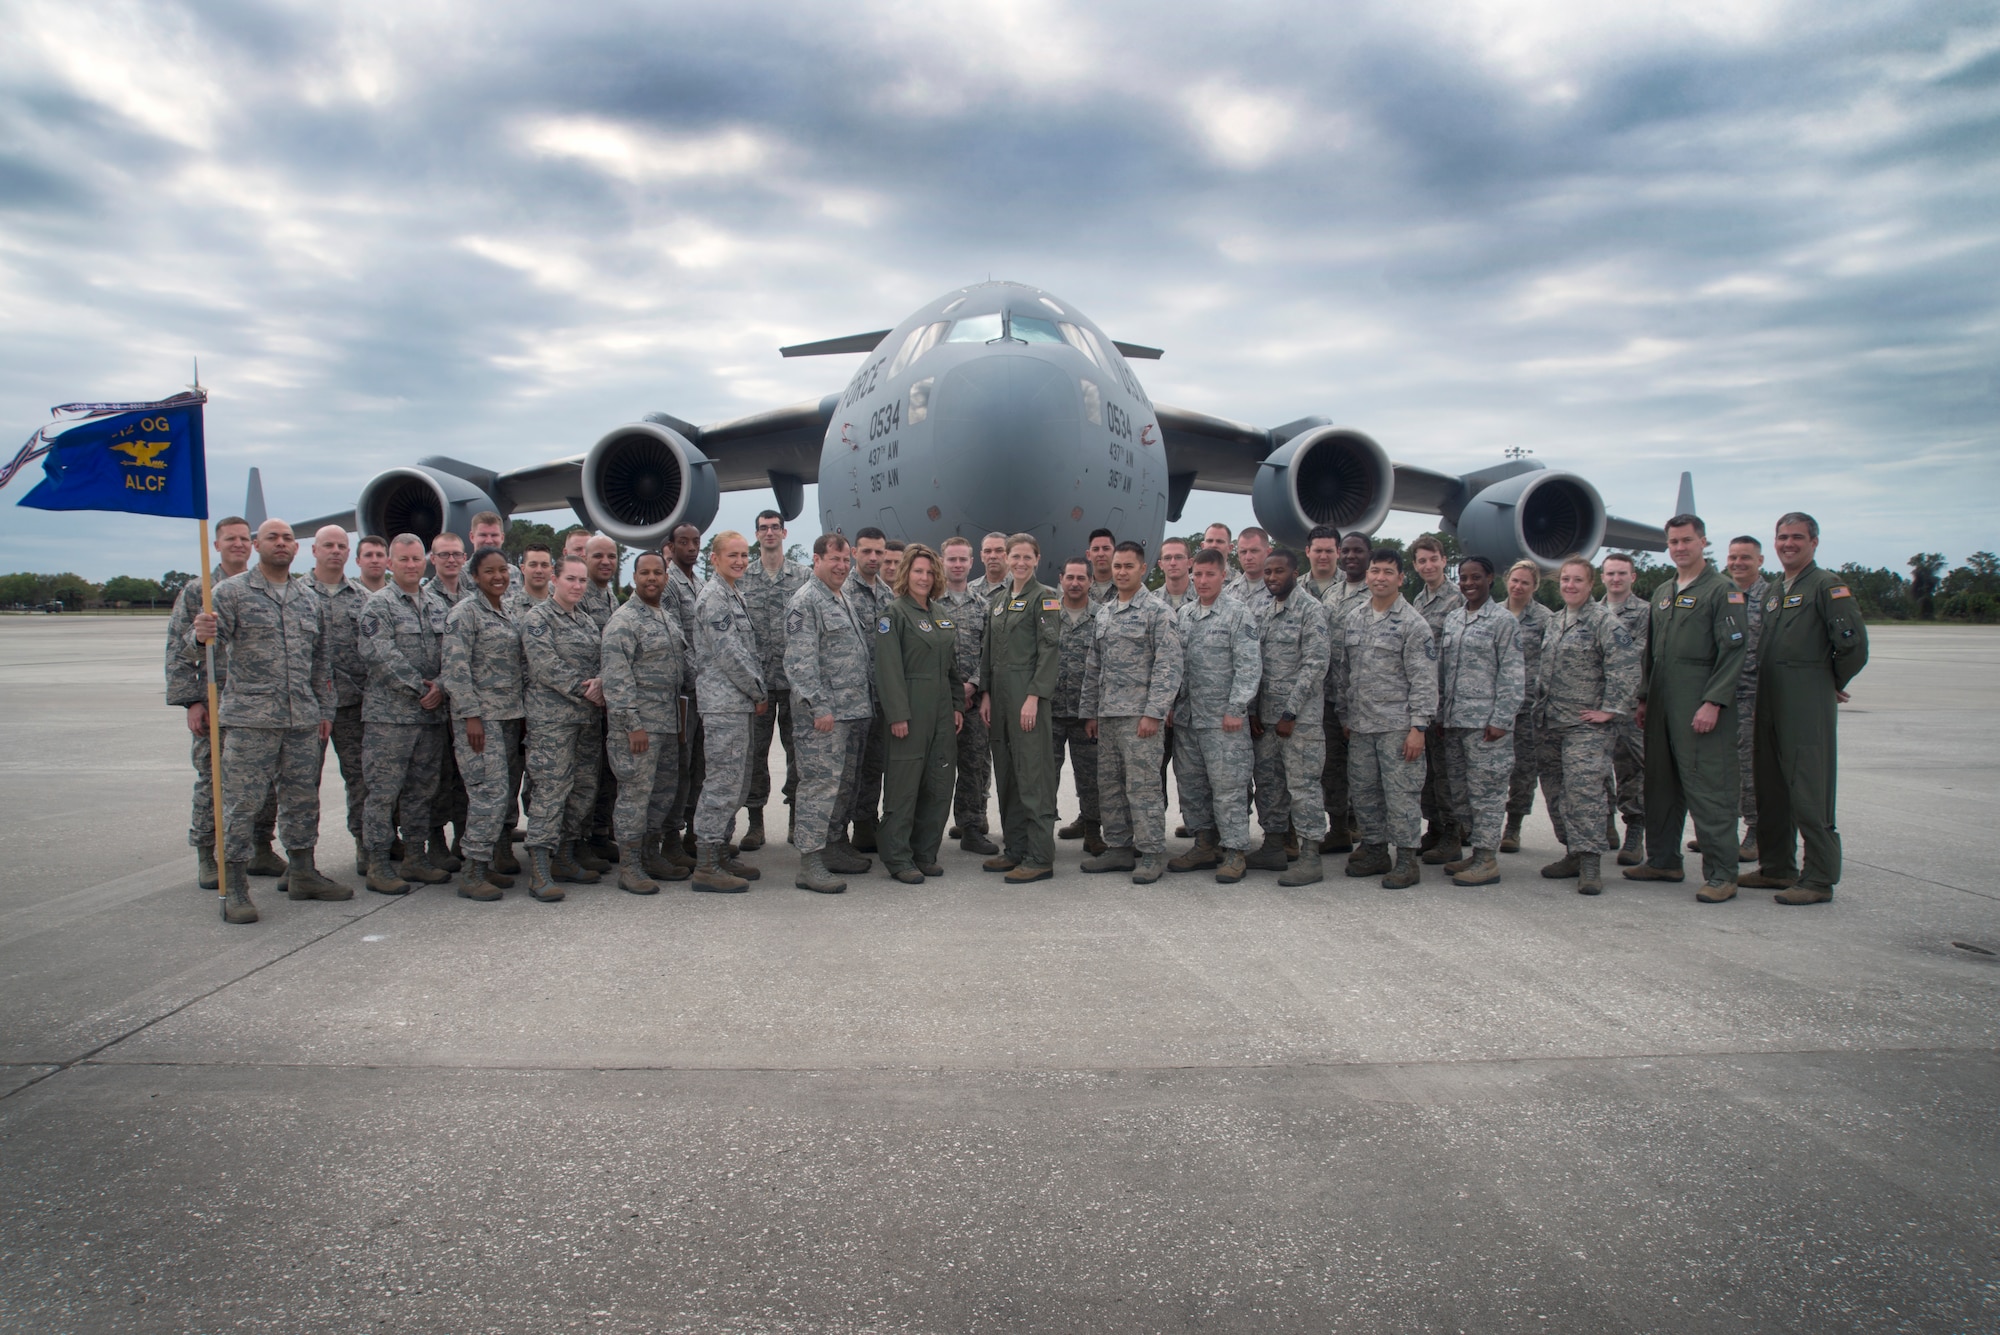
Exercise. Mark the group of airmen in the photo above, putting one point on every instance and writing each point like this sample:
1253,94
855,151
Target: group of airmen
530,704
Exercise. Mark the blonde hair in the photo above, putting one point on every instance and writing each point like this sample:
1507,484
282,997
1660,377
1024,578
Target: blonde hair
1532,567
715,543
911,555
1017,539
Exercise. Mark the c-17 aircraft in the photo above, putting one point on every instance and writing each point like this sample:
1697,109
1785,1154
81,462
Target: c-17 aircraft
1002,407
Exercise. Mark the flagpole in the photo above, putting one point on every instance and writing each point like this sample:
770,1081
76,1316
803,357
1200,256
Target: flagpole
214,722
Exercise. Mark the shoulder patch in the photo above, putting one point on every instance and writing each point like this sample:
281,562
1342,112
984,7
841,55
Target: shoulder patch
370,624
538,627
1622,637
1771,606
1051,604
795,621
1736,596
883,625
1838,591
723,622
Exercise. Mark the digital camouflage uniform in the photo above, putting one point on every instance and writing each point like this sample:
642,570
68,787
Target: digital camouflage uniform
1754,598
768,596
730,683
486,677
341,605
1433,605
518,605
868,599
1292,641
1589,661
1534,622
1390,686
644,659
1222,667
450,805
975,765
683,591
1018,658
1628,739
1068,735
1339,599
1482,679
402,743
187,684
1132,671
600,601
832,672
1174,603
561,650
1693,656
1101,591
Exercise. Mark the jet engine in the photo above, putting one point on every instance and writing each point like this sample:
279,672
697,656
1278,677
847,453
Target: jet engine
419,499
644,478
1327,475
1541,515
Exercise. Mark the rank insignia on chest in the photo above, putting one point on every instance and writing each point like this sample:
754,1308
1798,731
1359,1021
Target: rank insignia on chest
883,625
1685,600
1736,597
1796,600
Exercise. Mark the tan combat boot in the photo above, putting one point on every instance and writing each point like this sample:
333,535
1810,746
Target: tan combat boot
1589,876
753,838
1563,868
1270,855
1205,853
472,882
1510,838
1447,849
814,876
1369,860
236,906
1482,868
263,862
1232,868
382,879
563,865
1409,870
304,881
632,878
1111,859
708,872
541,884
1308,869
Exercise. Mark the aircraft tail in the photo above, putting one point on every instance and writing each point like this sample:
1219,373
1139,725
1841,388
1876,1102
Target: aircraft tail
1683,503
253,502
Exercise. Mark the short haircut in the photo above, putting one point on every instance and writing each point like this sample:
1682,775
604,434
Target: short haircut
576,561
1323,533
674,532
1354,535
1208,556
913,553
1137,549
1786,520
406,540
989,537
481,555
1688,521
541,547
828,542
222,524
639,560
373,540
864,534
486,517
1479,561
956,541
1285,554
1746,538
1181,543
762,515
895,545
1016,539
1097,533
1083,561
1626,557
448,536
1583,561
1254,532
1387,556
1223,527
1425,543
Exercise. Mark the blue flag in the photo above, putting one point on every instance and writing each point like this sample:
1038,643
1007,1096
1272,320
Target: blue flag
139,458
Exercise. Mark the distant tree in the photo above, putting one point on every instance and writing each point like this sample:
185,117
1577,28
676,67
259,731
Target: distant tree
798,554
1924,569
174,581
1882,593
1979,574
132,589
521,532
20,589
71,590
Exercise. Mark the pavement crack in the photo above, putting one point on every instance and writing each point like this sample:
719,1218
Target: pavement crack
1912,876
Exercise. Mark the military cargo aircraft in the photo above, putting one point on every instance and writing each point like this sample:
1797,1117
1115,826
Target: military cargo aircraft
1002,407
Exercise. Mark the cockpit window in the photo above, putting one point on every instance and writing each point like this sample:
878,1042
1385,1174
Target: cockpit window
975,329
918,342
1074,337
1031,329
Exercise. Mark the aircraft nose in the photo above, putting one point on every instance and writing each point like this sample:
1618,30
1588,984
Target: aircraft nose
1010,425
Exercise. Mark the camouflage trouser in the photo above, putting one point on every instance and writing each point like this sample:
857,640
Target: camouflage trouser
647,783
777,717
1385,788
1521,780
1478,772
1082,748
692,761
1746,751
399,764
1333,774
829,772
1288,770
257,761
451,805
563,755
1128,785
201,819
1212,769
490,776
975,771
1576,779
727,783
1435,800
1628,763
346,742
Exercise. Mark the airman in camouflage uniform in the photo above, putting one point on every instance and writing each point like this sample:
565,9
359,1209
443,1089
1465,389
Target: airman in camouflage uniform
1433,605
1482,679
868,596
1589,663
968,611
187,688
1534,621
1389,691
1132,672
1072,735
1289,728
483,672
683,592
1348,590
768,595
1222,669
644,659
402,740
830,663
450,805
596,848
563,651
731,686
341,605
1628,739
276,703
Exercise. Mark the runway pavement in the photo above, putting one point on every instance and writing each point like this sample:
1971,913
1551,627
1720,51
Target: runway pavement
1078,1106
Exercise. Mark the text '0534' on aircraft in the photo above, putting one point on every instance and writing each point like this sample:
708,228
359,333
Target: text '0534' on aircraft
1001,407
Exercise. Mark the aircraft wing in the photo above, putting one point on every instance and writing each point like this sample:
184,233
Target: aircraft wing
1223,455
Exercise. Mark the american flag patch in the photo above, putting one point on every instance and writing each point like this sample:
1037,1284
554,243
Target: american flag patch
1736,597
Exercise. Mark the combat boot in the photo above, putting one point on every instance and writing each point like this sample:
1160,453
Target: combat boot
1111,859
1748,851
304,881
1150,868
1291,845
382,880
864,834
472,882
708,872
1459,864
602,847
1646,871
564,866
814,876
1337,840
264,862
205,874
655,862
1232,868
1270,855
503,859
1093,837
689,845
1073,830
1409,870
1804,893
1369,860
1763,880
1510,838
1482,868
1563,868
1611,829
441,855
671,851
632,878
735,866
753,838
360,859
541,882
1183,832
1000,862
1205,853
840,857
931,869
1633,851
1447,848
907,875
1432,832
1716,892
418,867
1307,870
498,878
236,906
1023,874
1589,879
583,855
974,840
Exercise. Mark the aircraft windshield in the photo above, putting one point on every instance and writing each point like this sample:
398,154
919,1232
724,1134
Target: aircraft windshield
975,329
1030,329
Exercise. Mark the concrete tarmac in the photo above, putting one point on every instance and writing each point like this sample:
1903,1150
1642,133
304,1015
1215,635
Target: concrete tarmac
1081,1105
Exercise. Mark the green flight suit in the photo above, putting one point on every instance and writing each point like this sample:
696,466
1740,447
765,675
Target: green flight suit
1020,657
1813,643
917,680
1694,654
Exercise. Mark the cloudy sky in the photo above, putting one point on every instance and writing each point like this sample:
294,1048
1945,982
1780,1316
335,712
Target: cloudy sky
1753,239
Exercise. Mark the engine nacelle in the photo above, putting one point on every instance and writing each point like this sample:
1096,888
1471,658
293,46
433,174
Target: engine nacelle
1328,475
1543,516
421,500
644,478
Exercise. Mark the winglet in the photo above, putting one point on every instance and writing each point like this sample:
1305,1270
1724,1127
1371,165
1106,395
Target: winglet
1684,503
253,502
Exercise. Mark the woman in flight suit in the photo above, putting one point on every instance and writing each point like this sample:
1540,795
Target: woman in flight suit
917,678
